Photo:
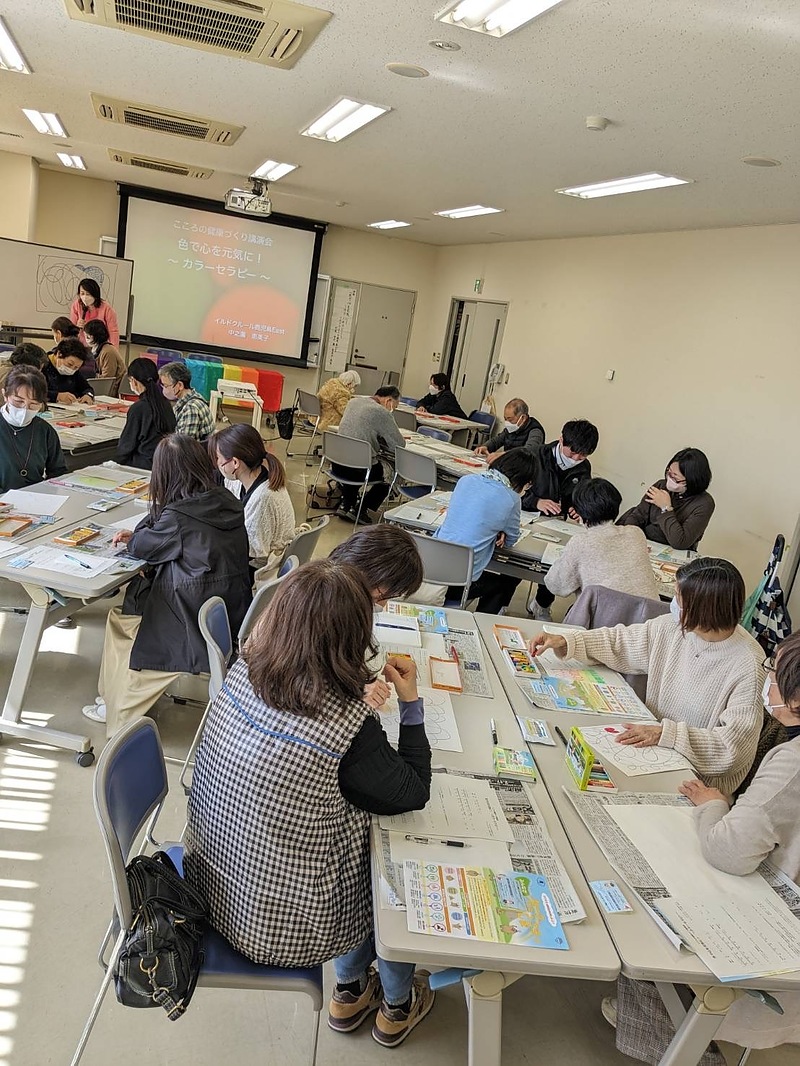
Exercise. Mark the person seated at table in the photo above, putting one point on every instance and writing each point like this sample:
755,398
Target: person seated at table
704,672
256,477
560,466
149,419
334,396
192,413
369,418
109,363
293,757
30,450
520,430
89,304
61,328
484,514
25,354
63,372
441,399
604,554
762,824
677,509
194,543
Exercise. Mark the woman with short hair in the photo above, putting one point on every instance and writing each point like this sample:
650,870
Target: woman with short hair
64,373
26,354
704,672
334,396
295,760
677,509
30,450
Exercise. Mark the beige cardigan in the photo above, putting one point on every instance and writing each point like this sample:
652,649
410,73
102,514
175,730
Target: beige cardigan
333,398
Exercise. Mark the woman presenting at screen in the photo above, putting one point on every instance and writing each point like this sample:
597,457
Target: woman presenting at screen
89,304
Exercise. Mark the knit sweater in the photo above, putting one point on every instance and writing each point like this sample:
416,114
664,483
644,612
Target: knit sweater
268,519
707,695
612,556
333,397
366,419
682,527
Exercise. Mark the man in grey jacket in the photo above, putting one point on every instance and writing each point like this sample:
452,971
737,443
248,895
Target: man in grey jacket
369,418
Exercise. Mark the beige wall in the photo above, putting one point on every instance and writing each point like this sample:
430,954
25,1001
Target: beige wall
19,177
75,211
701,329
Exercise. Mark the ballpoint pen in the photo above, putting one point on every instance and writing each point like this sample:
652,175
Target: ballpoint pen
493,728
429,840
72,559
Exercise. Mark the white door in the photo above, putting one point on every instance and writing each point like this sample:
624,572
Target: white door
383,326
475,333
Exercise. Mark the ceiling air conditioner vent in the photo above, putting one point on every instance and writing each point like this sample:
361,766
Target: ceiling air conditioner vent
165,166
195,127
272,32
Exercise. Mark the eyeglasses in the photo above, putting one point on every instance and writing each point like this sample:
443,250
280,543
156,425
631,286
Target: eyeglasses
769,664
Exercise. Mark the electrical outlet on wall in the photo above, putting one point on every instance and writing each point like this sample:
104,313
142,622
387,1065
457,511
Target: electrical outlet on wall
437,357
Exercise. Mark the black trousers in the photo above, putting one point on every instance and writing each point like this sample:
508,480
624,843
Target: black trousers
492,591
376,493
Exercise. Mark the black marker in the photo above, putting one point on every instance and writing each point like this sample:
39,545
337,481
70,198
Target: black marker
561,735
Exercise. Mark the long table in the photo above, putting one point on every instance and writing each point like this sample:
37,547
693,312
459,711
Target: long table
54,596
94,440
450,459
644,951
461,427
591,955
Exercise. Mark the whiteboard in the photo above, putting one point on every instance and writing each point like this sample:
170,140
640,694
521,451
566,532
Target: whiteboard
39,282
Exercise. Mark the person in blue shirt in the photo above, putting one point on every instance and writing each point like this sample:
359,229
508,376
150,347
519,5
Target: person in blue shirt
484,514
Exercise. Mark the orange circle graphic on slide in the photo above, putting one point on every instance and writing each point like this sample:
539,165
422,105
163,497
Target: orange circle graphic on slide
253,305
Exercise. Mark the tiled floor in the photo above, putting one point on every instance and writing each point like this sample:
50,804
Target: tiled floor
54,905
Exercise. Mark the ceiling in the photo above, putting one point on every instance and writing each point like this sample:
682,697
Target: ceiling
690,87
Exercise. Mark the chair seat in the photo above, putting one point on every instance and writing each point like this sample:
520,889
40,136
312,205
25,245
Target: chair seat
414,492
225,967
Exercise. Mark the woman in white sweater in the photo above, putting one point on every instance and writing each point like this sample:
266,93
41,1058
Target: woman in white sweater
704,672
257,478
615,557
762,824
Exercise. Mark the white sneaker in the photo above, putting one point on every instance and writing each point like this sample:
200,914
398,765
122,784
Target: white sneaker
608,1006
538,613
96,711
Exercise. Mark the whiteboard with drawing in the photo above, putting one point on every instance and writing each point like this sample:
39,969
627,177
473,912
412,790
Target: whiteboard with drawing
39,282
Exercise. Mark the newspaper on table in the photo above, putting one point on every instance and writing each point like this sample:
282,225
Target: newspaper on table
471,663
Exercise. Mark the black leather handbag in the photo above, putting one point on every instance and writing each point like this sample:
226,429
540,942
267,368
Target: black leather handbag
163,951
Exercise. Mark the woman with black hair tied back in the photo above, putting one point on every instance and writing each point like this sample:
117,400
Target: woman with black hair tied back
109,363
149,419
89,304
677,509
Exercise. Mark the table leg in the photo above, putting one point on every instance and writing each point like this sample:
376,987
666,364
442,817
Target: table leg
41,614
484,994
699,1026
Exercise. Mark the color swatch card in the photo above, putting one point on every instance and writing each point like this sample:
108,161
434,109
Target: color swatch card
476,903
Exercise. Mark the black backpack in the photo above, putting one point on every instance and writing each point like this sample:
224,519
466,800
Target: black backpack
285,421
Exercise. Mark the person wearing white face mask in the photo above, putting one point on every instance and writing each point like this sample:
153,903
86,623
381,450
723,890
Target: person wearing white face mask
63,373
30,450
89,304
677,509
441,399
704,672
520,430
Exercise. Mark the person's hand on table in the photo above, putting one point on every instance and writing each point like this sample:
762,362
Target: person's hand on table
640,736
376,693
67,397
548,642
122,536
699,793
659,497
402,673
500,541
421,411
548,507
481,450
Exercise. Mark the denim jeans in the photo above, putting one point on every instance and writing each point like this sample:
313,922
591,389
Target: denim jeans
396,977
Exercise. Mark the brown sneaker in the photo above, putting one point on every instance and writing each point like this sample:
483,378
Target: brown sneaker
392,1024
346,1011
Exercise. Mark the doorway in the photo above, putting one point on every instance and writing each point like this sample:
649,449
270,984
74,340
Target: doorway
472,347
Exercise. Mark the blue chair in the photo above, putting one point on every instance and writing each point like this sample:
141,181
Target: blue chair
130,786
437,434
7,347
411,401
172,355
485,417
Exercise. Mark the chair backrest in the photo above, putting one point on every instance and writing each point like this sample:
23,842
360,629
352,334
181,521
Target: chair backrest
415,468
444,563
171,354
129,784
437,434
309,402
346,451
216,629
102,386
405,419
262,598
288,564
410,400
482,416
7,347
304,544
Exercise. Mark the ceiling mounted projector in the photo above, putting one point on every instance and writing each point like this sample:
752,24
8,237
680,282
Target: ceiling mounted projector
252,201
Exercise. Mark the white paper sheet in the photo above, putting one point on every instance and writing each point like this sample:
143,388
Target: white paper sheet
634,762
74,564
440,721
560,526
552,553
38,503
459,808
396,629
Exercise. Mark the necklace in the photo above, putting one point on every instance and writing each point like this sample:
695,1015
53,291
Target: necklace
24,468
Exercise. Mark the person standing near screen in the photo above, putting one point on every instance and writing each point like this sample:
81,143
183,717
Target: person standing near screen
89,304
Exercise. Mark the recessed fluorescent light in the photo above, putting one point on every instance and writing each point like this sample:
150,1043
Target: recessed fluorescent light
495,17
344,118
74,161
273,171
390,223
45,122
10,55
637,183
468,212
